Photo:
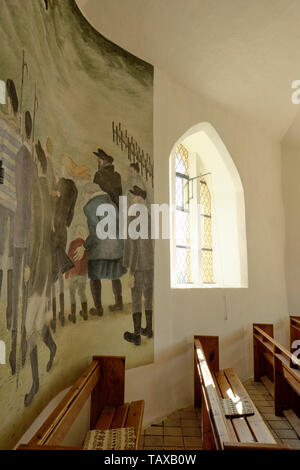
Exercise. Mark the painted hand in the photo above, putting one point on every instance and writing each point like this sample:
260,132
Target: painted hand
79,253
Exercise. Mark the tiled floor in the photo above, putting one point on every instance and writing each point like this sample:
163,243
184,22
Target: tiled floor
182,429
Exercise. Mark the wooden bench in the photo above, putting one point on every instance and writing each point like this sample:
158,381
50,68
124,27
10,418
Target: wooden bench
210,386
104,381
277,368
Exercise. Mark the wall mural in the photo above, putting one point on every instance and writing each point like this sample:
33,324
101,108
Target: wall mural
76,132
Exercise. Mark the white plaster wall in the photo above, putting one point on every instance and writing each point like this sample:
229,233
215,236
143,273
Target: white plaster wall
291,194
167,384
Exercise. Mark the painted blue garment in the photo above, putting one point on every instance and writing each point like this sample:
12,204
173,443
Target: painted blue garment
104,256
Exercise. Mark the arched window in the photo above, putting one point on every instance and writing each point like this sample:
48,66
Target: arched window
208,243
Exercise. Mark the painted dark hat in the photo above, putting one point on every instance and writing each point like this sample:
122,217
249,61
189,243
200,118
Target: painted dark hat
137,191
103,155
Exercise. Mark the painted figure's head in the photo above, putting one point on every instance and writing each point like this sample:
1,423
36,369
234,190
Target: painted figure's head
134,169
12,97
138,195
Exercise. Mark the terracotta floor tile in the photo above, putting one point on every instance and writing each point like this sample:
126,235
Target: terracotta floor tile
280,424
286,433
151,441
292,443
173,431
272,417
174,448
190,423
153,448
172,422
191,432
173,441
154,431
192,441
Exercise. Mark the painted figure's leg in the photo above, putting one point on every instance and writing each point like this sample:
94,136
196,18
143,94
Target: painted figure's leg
61,314
10,280
24,315
73,286
35,376
82,295
96,289
148,296
50,343
3,234
117,290
33,302
53,320
136,294
17,271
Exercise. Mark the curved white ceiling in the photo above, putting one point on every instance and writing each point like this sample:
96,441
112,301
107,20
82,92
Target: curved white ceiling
244,55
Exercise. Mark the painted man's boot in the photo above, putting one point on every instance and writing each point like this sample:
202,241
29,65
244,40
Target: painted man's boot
13,352
96,289
9,298
135,337
61,314
53,321
35,377
72,316
118,305
49,342
84,311
148,330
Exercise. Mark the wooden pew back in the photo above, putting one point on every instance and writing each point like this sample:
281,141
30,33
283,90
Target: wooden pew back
280,365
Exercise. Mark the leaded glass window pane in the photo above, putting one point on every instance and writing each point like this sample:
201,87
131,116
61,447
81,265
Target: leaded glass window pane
181,160
207,267
182,228
183,265
206,234
182,216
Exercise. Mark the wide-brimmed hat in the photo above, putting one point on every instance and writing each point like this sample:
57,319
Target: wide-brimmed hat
137,191
103,155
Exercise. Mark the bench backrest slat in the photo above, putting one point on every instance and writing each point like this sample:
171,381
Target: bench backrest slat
67,405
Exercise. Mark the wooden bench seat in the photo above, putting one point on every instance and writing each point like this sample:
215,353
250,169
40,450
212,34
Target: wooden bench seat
104,381
210,386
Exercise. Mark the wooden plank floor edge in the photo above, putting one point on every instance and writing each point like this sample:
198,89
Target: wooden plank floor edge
293,420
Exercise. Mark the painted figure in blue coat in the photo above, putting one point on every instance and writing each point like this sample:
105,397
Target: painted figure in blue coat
105,257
